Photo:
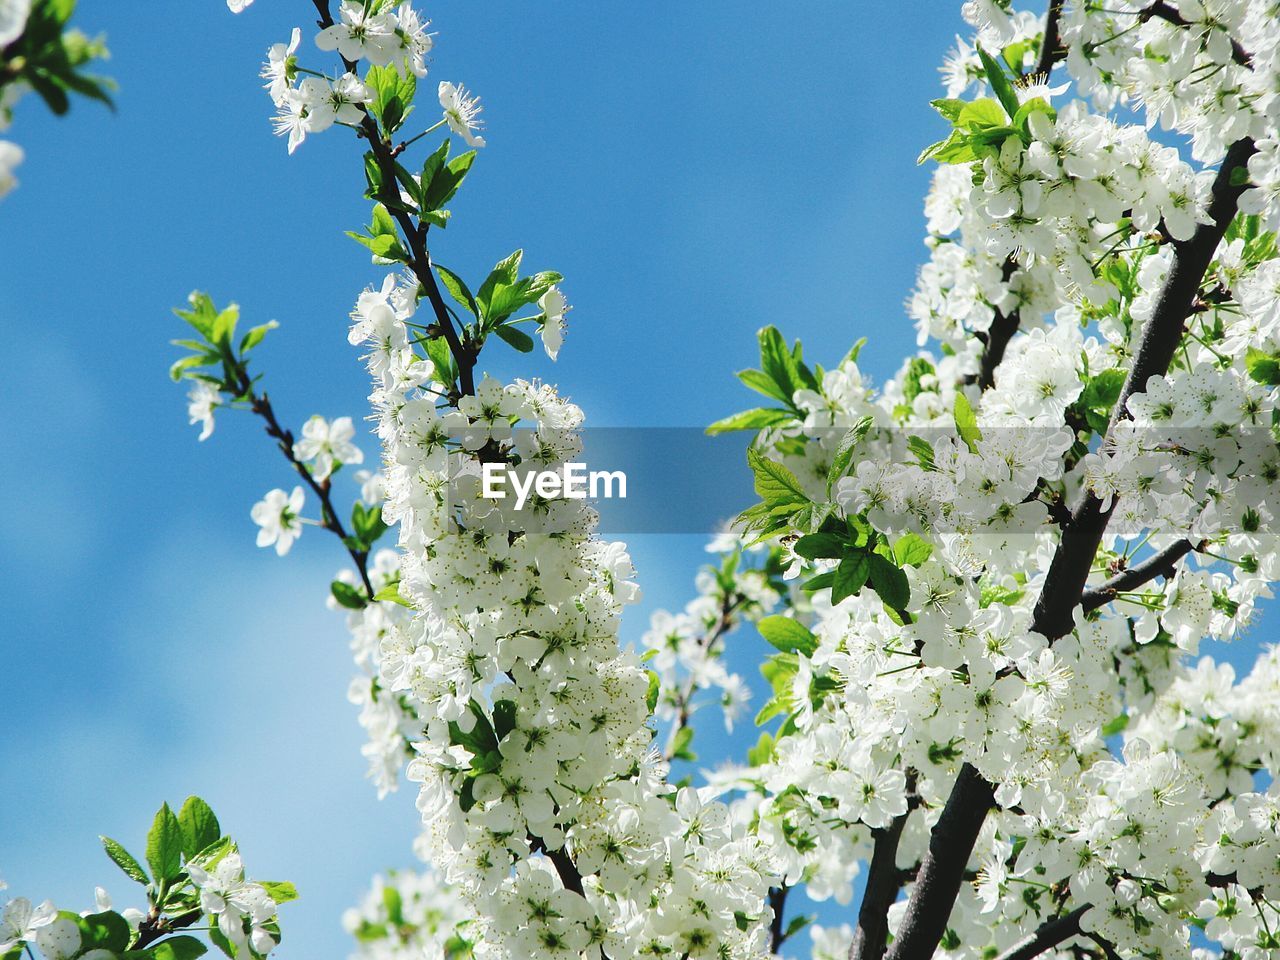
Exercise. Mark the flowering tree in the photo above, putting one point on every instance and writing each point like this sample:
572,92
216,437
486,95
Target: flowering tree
987,580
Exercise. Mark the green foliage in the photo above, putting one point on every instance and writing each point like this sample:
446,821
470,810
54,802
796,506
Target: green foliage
200,829
216,357
123,859
788,635
681,747
382,238
1263,367
393,91
49,57
980,127
967,423
347,596
164,846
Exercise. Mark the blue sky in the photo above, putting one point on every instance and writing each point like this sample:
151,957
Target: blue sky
695,170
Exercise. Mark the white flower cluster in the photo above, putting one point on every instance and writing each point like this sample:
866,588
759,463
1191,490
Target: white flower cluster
686,648
13,20
535,751
376,32
409,916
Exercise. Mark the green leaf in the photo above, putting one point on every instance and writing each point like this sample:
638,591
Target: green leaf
105,931
684,737
999,82
655,688
981,114
788,635
815,546
179,948
515,337
255,335
280,891
224,326
504,718
850,576
458,289
348,596
391,592
922,450
889,582
778,363
843,456
480,739
1034,105
187,363
762,752
774,482
756,419
504,274
911,550
761,383
797,924
446,180
949,108
367,523
200,827
124,860
1263,367
967,423
164,846
1103,390
1116,725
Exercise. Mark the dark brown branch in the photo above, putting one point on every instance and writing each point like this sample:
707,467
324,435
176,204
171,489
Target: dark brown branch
155,926
953,838
1162,564
942,870
777,926
1064,585
1051,48
415,235
997,337
1050,934
883,883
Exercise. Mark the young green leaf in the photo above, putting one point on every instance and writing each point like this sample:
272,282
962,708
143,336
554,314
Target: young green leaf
850,576
164,845
124,860
967,423
788,635
200,827
756,419
999,82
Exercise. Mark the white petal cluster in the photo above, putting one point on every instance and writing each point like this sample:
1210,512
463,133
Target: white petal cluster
532,748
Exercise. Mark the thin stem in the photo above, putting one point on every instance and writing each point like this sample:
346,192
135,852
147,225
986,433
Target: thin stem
260,404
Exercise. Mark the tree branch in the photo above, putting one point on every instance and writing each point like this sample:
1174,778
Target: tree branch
1162,564
1050,934
707,641
951,843
777,929
1051,48
415,236
883,883
261,406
